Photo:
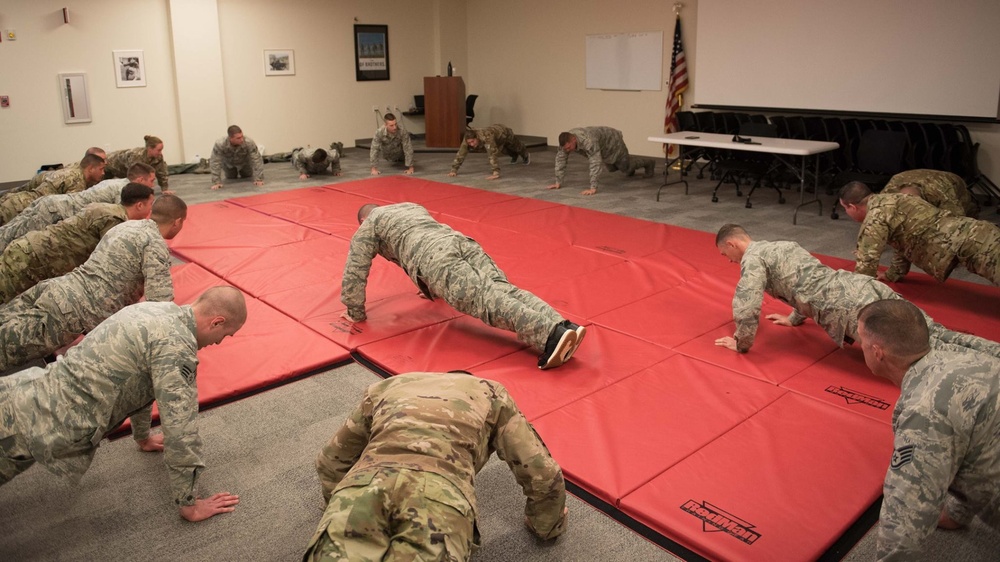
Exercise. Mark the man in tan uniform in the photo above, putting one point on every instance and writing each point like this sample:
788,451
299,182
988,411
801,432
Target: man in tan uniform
493,140
944,190
398,476
920,233
57,249
67,180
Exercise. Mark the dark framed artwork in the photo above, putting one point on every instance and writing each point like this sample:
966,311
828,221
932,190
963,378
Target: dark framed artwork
371,52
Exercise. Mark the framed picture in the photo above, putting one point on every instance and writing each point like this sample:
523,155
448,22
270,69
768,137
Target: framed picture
75,100
130,69
279,62
371,52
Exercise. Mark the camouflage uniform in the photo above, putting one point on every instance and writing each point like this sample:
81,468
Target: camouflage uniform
131,260
66,180
393,147
920,233
399,474
493,140
947,450
831,297
38,178
445,263
48,210
119,161
302,159
601,145
58,415
56,250
236,161
944,190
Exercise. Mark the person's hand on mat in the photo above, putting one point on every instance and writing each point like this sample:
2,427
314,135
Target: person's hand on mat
452,174
727,342
347,316
375,172
151,444
303,176
780,319
553,186
493,176
338,173
217,186
166,192
881,277
409,171
258,183
223,502
590,191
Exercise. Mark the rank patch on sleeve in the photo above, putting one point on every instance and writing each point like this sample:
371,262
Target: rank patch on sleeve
901,456
188,370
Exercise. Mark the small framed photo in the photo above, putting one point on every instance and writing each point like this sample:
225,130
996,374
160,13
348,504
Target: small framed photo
130,69
371,52
75,99
279,62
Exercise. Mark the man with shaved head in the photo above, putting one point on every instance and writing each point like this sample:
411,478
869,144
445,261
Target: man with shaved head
58,415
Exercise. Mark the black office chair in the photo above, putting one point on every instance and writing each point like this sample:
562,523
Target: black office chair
881,155
470,105
745,165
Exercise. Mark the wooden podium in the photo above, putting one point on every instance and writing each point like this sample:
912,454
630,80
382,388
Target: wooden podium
444,111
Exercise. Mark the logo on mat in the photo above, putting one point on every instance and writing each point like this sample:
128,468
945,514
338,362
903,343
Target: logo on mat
901,456
855,397
714,519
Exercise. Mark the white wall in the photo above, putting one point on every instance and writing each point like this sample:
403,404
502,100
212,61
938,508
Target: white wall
527,62
32,131
525,59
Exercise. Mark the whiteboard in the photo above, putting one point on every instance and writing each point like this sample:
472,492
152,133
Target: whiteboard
625,61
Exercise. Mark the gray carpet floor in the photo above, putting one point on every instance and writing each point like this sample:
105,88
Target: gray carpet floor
262,447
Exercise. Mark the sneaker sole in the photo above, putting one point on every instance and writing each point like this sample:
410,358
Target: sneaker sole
580,333
559,354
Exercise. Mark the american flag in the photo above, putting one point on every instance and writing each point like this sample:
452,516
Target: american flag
677,85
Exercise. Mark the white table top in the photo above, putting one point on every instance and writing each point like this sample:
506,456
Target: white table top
767,144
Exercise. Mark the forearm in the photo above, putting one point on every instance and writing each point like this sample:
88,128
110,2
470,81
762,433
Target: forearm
215,167
899,267
595,165
142,421
258,166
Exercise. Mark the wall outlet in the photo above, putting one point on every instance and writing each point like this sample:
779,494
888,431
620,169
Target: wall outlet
374,108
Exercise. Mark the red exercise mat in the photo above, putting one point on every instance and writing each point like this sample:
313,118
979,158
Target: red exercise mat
461,343
843,380
276,196
778,352
638,427
399,189
325,210
784,485
677,315
604,358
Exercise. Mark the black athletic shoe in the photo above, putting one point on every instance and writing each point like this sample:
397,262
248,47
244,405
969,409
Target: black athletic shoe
560,345
513,159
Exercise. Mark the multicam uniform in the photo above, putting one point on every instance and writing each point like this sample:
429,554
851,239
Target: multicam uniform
303,162
601,145
58,415
947,450
119,161
66,180
493,140
131,260
48,210
920,233
944,190
56,250
393,147
831,297
445,263
405,460
236,161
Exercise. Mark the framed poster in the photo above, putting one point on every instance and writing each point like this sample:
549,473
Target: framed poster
130,69
371,52
75,100
279,62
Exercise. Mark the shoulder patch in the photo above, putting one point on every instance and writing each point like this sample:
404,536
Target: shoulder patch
901,457
188,370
